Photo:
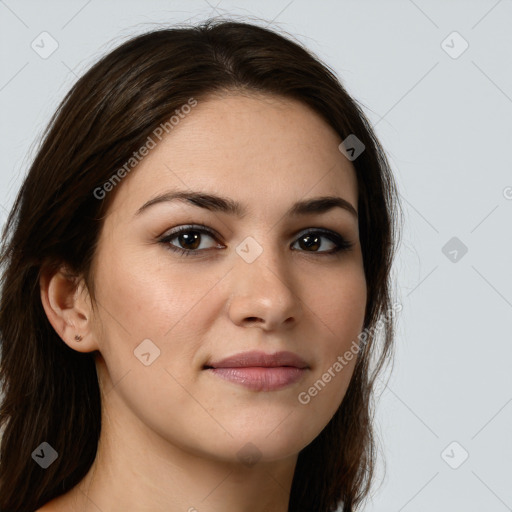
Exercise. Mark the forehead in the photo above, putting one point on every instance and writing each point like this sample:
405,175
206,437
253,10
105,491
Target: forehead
255,148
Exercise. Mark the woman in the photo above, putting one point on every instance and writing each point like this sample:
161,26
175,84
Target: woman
196,271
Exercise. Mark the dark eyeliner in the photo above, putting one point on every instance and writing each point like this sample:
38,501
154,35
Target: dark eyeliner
199,228
341,243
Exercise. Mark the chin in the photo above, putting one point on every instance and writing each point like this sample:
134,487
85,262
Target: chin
267,443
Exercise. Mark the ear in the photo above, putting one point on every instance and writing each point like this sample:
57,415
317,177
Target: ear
67,304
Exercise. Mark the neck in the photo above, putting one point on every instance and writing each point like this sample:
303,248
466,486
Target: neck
135,466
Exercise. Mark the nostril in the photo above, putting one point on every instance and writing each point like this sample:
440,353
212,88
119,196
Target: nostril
253,319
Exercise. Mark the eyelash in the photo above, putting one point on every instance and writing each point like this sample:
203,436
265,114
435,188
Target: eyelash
342,244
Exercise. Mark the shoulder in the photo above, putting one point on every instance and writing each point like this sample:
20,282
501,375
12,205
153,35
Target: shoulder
47,508
71,501
55,505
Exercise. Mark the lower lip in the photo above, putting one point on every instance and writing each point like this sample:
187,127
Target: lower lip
261,378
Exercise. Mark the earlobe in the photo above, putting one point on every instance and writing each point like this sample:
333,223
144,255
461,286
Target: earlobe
64,299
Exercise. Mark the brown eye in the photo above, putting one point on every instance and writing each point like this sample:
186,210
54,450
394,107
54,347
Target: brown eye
312,241
187,240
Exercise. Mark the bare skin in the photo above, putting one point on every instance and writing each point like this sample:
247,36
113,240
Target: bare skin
172,431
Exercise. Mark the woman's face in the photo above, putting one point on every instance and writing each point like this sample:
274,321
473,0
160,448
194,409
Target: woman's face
262,279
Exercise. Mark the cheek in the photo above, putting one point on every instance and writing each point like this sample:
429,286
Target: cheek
158,300
338,311
152,295
339,305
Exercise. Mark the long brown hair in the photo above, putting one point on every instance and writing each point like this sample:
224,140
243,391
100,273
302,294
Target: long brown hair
51,392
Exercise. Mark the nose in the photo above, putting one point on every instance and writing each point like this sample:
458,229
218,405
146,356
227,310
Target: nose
264,292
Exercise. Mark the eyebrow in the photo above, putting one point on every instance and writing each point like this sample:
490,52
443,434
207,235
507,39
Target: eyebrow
217,203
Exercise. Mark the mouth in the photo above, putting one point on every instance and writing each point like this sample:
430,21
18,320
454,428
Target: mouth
259,371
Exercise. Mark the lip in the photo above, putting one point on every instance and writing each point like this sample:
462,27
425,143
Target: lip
261,359
260,371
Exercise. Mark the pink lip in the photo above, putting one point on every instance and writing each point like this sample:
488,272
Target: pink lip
260,371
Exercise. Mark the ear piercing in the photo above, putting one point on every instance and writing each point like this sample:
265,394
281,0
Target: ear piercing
78,337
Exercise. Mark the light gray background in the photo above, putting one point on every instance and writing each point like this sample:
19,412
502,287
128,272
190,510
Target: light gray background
445,124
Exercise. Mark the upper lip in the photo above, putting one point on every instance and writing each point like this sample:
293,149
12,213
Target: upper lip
257,358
